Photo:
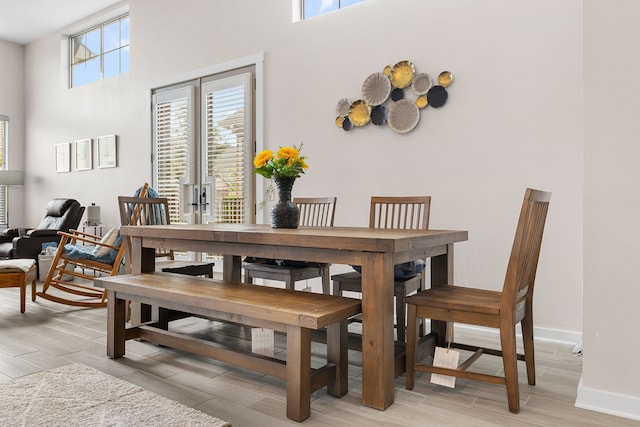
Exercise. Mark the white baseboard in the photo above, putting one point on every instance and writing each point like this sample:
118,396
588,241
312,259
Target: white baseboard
570,337
617,404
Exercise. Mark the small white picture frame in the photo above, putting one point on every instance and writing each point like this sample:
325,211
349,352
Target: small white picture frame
107,151
84,154
63,157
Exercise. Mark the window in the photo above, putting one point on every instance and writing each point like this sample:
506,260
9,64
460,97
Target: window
207,175
229,154
100,52
313,8
4,130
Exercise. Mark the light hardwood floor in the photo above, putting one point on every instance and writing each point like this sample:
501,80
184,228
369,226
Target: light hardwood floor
49,335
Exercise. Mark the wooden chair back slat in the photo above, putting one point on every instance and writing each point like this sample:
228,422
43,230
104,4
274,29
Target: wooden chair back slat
316,211
406,212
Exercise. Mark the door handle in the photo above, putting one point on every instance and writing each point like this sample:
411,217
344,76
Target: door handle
195,199
203,200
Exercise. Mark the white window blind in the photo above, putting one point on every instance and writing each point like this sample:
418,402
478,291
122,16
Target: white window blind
4,132
173,136
229,146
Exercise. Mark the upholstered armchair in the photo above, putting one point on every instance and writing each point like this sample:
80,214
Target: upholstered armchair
61,215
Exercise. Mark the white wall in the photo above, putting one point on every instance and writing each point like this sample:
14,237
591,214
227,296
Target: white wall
12,105
513,118
611,151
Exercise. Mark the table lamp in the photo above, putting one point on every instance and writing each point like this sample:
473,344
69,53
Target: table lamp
7,178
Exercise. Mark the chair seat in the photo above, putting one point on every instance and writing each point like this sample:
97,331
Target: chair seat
189,268
276,272
352,282
454,298
347,280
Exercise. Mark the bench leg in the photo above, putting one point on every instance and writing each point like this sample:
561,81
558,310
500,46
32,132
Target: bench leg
298,373
337,348
116,318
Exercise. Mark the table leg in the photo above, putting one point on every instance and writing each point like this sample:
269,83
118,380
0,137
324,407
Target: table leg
377,331
232,268
441,275
142,260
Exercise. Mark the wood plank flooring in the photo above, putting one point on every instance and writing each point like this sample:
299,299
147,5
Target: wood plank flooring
49,335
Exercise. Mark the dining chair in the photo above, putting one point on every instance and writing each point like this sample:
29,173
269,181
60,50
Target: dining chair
410,213
155,211
314,212
494,309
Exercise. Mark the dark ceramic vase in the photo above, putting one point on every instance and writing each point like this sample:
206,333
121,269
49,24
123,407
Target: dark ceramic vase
285,213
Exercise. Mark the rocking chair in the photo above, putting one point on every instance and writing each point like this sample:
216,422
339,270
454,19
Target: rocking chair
77,252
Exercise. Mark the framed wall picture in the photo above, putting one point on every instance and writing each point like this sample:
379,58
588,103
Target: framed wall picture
84,154
107,151
63,157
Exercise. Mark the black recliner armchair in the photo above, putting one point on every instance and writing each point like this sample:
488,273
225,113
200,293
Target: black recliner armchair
61,215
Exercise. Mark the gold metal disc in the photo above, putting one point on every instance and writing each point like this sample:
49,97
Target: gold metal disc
402,74
359,113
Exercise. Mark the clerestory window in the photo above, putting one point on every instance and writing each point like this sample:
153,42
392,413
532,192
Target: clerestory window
100,52
311,8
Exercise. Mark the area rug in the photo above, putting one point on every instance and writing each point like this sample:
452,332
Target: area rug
77,395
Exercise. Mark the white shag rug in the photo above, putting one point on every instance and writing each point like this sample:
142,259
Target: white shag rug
77,395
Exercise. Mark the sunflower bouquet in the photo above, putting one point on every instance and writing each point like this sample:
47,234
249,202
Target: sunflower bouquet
286,162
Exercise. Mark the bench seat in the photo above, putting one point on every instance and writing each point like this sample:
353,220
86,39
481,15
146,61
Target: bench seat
292,312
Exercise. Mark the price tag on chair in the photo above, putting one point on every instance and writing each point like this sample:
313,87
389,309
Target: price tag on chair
262,341
445,358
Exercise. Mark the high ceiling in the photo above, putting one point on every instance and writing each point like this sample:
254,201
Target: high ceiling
24,21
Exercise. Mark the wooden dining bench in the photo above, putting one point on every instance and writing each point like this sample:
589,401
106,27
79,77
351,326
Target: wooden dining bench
295,313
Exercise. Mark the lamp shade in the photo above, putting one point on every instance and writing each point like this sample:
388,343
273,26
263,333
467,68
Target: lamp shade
11,177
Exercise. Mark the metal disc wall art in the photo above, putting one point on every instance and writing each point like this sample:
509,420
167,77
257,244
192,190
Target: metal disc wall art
376,89
403,116
394,97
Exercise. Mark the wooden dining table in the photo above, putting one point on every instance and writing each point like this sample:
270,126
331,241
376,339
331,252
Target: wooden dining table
375,250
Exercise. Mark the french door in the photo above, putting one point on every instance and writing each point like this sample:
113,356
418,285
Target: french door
203,148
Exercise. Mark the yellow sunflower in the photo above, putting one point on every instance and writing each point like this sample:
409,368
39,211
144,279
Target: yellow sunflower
289,153
262,158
